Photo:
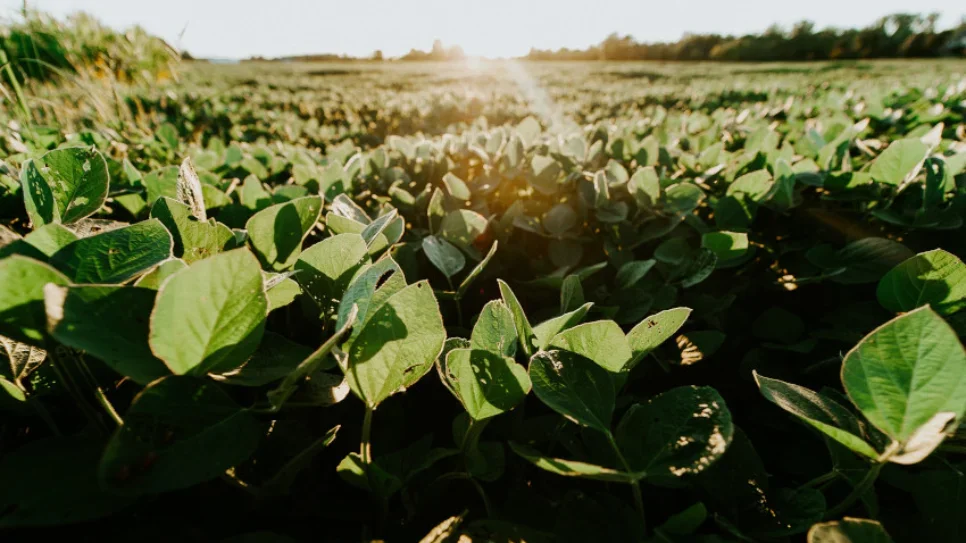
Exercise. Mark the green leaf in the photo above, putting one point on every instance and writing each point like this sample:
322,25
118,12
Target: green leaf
65,185
700,268
935,277
899,162
276,233
447,258
544,173
559,220
754,186
645,186
50,238
906,373
281,291
193,239
364,294
462,227
680,432
548,329
868,259
494,330
178,432
325,269
571,295
211,316
43,486
574,386
275,359
396,346
23,359
573,468
162,183
162,271
655,330
456,187
384,231
486,383
601,341
683,198
819,411
114,256
525,335
253,194
726,245
110,323
848,530
22,315
630,273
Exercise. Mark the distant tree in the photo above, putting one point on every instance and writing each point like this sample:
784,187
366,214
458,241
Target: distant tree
377,55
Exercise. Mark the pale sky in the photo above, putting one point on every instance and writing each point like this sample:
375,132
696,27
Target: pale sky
493,28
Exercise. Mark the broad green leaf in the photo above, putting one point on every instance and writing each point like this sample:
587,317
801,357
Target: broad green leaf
485,382
462,227
726,245
571,295
276,233
369,289
900,161
525,335
253,194
494,330
275,359
601,341
544,173
444,256
325,269
396,346
114,256
178,432
65,185
22,315
380,231
683,198
193,239
906,372
574,386
162,183
211,316
935,277
43,486
110,323
673,251
655,330
560,219
680,432
848,530
819,411
700,268
281,292
574,468
162,271
548,329
632,272
342,225
754,186
645,186
50,238
456,187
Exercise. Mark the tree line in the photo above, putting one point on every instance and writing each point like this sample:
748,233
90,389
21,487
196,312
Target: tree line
900,35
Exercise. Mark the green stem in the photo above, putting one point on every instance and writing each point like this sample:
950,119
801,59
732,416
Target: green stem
635,486
365,447
472,436
821,479
857,492
456,300
106,404
457,476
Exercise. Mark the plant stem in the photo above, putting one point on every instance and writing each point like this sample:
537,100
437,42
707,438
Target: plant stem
635,486
365,446
106,404
821,479
858,491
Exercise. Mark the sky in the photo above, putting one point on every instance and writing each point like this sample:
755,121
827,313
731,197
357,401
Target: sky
491,28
